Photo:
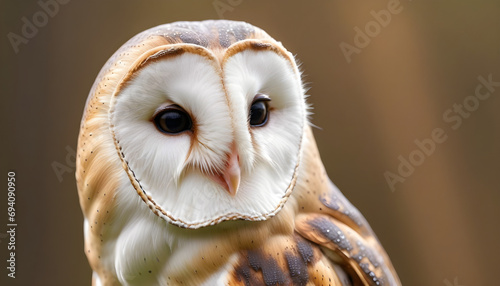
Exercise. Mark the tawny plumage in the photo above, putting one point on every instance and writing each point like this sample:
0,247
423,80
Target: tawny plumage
197,166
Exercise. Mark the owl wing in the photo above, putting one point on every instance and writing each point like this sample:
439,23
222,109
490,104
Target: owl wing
336,247
346,239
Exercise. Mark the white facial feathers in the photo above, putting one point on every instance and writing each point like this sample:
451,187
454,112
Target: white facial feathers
173,170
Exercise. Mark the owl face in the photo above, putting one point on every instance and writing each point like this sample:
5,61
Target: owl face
210,134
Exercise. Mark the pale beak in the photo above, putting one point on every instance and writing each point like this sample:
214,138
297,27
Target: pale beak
232,174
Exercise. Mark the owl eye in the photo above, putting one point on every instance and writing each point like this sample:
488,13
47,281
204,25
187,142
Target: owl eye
173,120
259,111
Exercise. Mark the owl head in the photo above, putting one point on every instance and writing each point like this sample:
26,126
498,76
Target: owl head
201,120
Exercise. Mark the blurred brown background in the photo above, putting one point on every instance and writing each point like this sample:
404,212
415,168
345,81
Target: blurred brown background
440,226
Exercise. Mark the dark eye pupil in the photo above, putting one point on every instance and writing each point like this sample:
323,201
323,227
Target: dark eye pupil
173,121
258,113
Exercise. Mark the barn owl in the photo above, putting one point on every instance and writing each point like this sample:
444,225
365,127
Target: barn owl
197,166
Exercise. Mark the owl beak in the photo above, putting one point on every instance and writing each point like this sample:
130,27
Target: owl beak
232,174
